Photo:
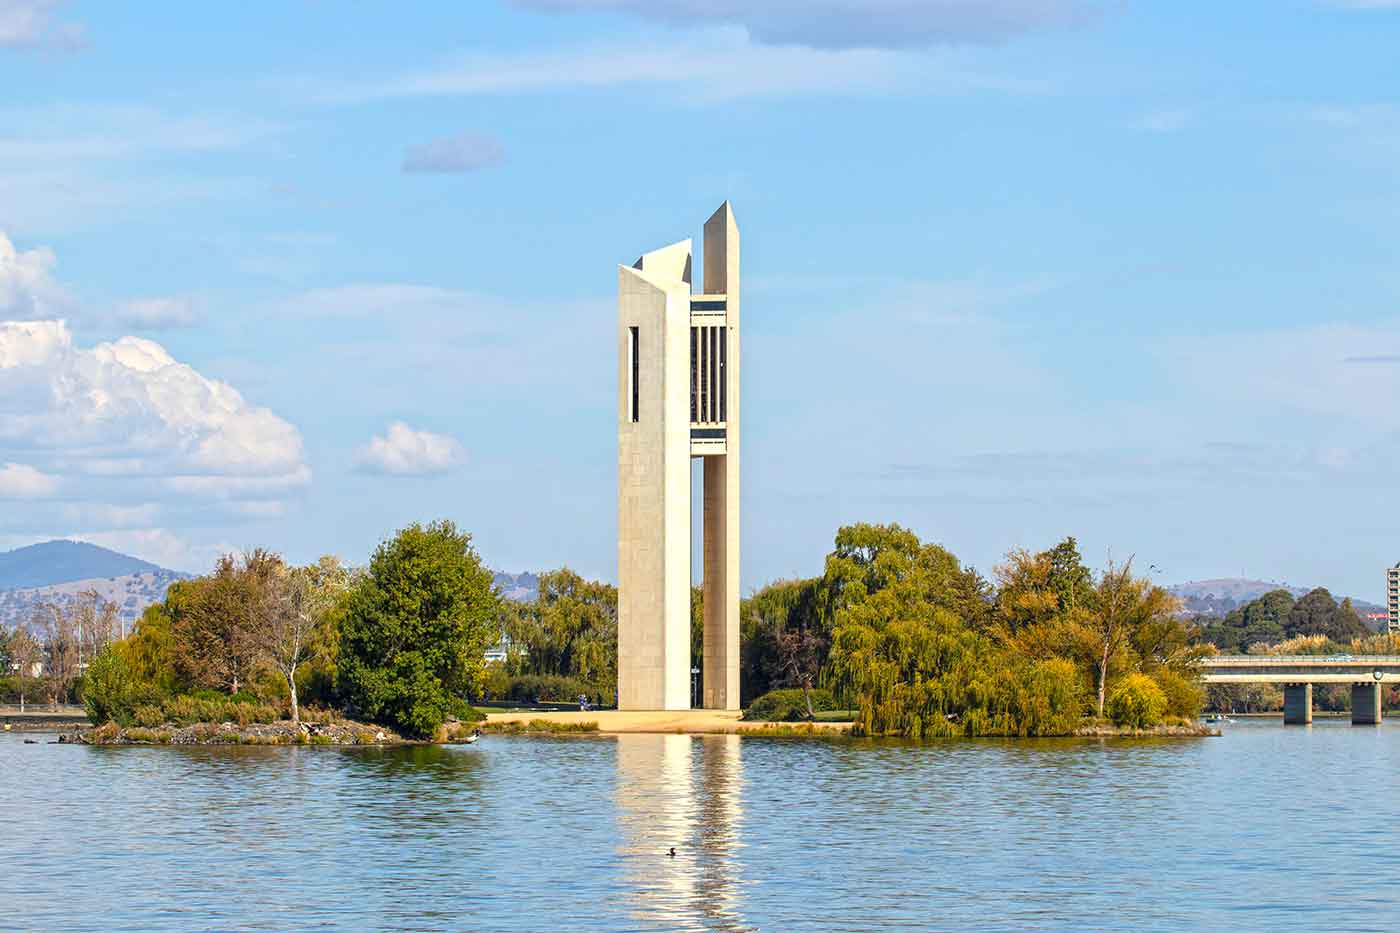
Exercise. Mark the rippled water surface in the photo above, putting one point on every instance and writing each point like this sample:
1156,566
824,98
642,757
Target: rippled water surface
1264,828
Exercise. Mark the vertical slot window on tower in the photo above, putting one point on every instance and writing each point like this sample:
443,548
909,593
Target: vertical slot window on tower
723,382
634,355
714,375
704,378
694,380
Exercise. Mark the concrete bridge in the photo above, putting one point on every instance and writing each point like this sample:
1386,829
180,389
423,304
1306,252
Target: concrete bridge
1298,673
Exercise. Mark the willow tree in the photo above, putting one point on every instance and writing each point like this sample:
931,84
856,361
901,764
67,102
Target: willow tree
568,630
908,643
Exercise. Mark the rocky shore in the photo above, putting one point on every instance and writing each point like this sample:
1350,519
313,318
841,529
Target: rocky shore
1175,730
342,732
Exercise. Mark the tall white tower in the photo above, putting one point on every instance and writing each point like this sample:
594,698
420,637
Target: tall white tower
678,398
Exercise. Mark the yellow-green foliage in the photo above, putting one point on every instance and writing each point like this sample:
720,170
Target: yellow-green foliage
149,715
153,736
1136,702
1185,695
1299,644
915,643
787,729
183,710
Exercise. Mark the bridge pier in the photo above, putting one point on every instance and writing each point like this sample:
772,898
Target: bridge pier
1366,704
1297,704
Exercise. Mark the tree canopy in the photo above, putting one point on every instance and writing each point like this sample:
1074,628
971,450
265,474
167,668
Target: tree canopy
416,627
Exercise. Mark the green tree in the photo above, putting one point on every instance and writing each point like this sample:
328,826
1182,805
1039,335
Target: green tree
149,651
216,620
1317,613
415,630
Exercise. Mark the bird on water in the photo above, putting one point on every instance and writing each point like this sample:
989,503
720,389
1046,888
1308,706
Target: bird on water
672,853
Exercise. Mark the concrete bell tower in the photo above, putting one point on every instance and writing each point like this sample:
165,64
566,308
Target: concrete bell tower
678,398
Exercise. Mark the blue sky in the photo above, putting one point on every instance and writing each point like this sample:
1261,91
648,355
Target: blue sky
1013,270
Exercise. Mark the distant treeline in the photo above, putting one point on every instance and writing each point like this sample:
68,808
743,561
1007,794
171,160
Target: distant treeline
1277,616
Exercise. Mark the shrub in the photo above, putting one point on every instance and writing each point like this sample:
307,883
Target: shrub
1185,696
789,705
497,683
105,734
462,711
111,693
148,716
105,687
191,708
1136,702
551,688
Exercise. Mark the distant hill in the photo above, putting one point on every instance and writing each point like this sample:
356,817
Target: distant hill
518,587
55,562
60,571
1218,597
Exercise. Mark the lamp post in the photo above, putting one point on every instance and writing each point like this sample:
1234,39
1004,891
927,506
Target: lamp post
694,687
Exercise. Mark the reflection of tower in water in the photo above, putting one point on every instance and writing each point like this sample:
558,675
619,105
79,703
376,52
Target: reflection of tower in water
686,792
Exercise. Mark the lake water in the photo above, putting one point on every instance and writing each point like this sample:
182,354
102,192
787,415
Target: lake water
1265,828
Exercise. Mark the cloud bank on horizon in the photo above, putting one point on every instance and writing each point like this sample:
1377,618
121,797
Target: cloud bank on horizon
106,432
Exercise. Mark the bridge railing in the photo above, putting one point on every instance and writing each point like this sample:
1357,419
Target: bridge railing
1292,659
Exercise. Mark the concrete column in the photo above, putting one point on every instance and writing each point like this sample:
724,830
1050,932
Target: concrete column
1297,704
721,277
720,678
1366,704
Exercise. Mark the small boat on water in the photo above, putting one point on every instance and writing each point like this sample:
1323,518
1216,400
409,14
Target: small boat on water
1218,717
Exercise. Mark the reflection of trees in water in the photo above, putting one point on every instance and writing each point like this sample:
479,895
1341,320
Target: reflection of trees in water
666,797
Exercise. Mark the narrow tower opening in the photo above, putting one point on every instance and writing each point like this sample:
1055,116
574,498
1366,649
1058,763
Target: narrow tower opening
634,352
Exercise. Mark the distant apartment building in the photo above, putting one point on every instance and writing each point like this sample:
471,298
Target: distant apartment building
1392,599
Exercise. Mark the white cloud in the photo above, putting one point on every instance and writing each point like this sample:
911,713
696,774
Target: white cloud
713,64
129,400
20,481
103,515
849,23
158,545
27,287
454,155
403,450
158,313
29,24
45,136
67,167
